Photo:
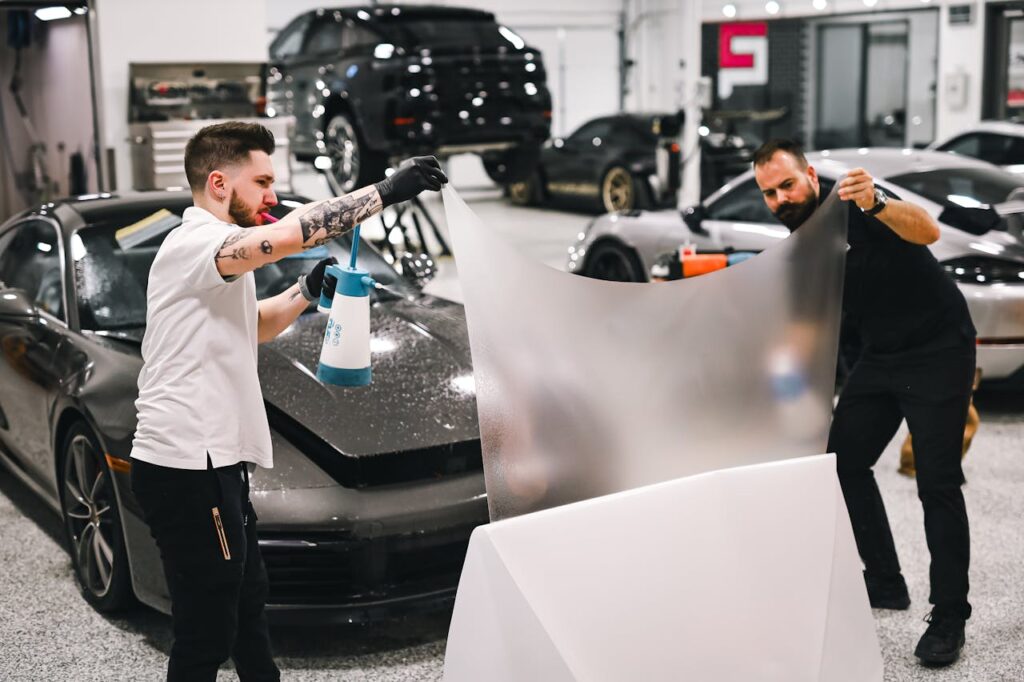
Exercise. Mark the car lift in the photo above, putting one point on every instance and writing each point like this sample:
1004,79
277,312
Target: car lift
402,214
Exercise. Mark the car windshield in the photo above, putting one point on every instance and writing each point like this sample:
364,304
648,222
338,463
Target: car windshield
967,187
111,281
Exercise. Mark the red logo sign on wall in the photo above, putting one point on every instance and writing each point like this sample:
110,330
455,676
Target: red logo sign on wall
742,55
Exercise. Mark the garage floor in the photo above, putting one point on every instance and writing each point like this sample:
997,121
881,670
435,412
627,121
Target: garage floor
48,632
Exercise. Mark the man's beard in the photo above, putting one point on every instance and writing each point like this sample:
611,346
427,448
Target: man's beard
794,215
240,213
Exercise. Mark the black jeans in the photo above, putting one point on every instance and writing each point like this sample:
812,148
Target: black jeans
205,527
932,391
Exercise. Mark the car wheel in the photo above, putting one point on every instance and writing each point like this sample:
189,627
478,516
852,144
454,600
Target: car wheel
352,164
526,192
511,165
92,521
613,263
617,190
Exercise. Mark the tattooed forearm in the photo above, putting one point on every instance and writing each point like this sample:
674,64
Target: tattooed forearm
337,216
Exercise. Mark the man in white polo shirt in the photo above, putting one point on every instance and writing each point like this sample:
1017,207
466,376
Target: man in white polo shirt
201,416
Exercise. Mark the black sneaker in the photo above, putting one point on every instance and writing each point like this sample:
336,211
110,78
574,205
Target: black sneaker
942,641
888,592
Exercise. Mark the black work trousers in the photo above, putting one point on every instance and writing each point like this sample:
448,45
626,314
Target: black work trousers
205,527
932,391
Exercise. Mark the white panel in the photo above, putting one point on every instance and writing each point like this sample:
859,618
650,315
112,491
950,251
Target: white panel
674,581
583,73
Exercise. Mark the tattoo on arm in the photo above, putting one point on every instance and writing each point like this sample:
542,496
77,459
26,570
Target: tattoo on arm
295,295
336,217
266,247
237,253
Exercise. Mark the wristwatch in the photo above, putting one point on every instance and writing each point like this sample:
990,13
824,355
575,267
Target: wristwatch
881,198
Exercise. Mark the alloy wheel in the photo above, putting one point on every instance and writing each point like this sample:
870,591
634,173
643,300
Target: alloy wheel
617,190
88,510
520,193
342,146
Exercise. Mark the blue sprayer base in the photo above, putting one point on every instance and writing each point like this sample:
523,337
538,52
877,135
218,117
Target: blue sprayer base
337,376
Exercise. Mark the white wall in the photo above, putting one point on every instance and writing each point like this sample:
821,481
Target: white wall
180,31
961,55
55,90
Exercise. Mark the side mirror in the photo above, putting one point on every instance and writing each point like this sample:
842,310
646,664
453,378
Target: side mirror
694,217
418,268
976,220
16,303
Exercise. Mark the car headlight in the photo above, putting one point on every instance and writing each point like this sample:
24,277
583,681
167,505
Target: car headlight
983,270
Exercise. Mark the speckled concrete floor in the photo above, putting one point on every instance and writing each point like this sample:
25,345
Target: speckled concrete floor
995,502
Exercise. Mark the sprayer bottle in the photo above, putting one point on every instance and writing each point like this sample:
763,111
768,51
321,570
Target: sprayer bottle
345,356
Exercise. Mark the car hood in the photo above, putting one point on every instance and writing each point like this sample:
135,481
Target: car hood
422,394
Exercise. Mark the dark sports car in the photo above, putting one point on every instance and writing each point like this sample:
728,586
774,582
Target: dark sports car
375,491
613,163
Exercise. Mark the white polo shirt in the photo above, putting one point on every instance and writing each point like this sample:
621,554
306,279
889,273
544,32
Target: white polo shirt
199,391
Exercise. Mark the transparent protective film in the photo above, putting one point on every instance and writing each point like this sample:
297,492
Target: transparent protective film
586,387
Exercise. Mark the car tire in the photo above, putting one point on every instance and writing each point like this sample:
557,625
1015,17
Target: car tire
618,190
92,523
526,192
511,165
353,165
613,262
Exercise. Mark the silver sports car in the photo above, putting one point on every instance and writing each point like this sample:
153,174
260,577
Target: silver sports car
980,248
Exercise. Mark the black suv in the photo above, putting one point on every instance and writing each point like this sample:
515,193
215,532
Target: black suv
368,84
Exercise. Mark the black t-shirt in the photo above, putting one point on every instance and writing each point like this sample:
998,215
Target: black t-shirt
896,295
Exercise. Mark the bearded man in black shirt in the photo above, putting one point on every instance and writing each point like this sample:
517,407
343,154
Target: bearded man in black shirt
917,363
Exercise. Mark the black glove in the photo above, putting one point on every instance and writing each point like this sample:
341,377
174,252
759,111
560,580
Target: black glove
312,284
330,285
413,176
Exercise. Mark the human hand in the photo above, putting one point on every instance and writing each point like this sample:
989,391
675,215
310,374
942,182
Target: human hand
859,187
415,175
315,278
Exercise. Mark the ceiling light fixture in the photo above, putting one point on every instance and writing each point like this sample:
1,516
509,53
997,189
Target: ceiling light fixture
52,13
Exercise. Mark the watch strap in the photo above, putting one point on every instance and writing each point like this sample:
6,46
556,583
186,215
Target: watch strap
881,199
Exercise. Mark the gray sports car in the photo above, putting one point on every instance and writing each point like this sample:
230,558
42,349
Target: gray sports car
374,491
976,204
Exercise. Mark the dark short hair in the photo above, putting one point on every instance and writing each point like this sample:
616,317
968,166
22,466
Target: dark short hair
223,144
766,151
